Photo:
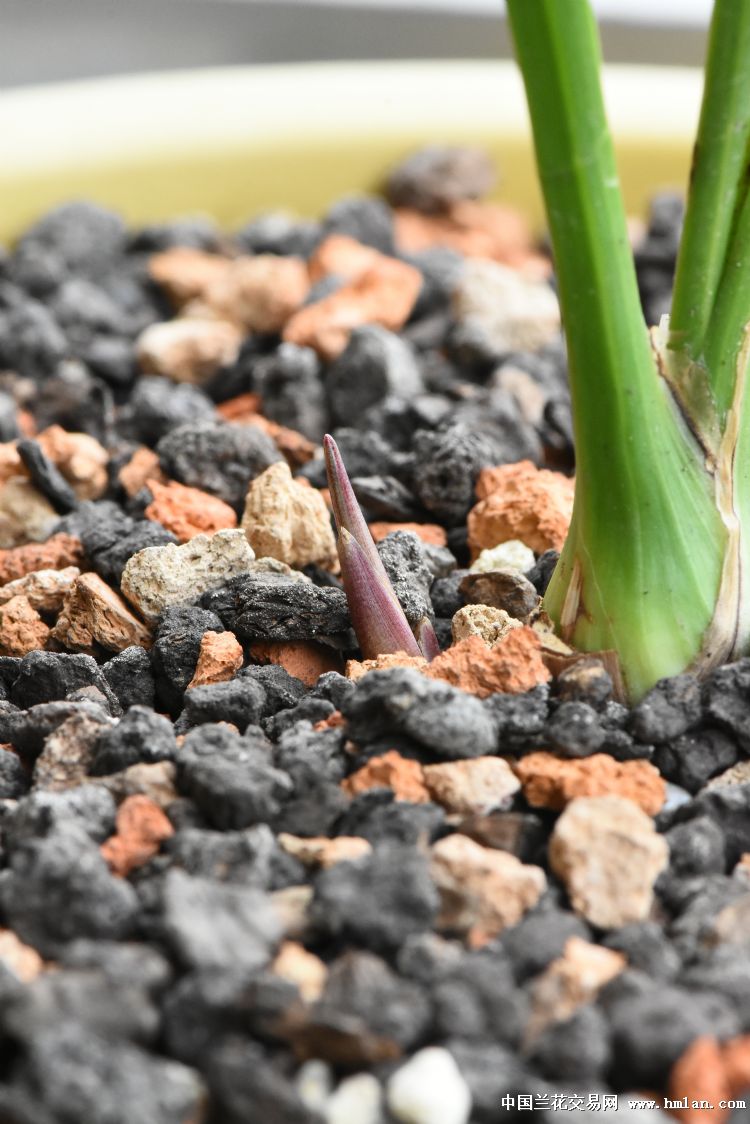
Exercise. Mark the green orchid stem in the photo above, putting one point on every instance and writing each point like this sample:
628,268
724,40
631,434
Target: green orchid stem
643,563
718,180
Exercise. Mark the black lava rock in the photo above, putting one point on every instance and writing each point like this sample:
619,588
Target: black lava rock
521,719
539,938
281,689
220,459
87,238
449,461
290,385
46,477
696,847
362,900
669,709
58,888
156,406
230,778
435,715
446,595
267,606
575,1050
574,730
46,676
175,652
214,925
478,1000
141,736
541,572
725,700
647,948
691,760
239,701
376,815
130,677
403,556
375,363
366,218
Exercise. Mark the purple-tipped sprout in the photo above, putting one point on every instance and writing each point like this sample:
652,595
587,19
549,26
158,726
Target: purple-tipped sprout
376,613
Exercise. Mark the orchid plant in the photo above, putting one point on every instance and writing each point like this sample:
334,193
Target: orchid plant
656,565
377,616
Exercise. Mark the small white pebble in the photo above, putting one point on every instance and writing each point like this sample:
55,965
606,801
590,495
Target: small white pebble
510,555
429,1089
357,1100
314,1082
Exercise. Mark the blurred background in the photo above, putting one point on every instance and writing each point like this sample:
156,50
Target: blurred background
57,40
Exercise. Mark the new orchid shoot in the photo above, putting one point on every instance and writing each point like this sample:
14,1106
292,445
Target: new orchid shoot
377,616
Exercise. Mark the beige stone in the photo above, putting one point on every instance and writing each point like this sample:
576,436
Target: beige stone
21,959
185,273
94,614
25,515
355,669
484,621
570,981
259,293
22,630
477,785
157,781
144,465
320,851
288,520
607,852
292,906
188,350
81,459
160,576
68,752
302,968
45,590
514,312
482,891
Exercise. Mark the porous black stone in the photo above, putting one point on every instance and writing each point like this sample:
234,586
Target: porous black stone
58,888
448,463
574,730
130,677
231,779
239,701
47,676
175,652
403,557
290,385
437,716
692,759
374,364
267,606
219,458
46,477
156,406
14,780
366,218
669,709
216,925
362,901
140,736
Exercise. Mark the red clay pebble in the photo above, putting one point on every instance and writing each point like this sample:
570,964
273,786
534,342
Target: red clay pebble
431,533
384,294
304,659
400,774
552,782
22,630
188,512
513,665
520,501
142,466
141,829
219,659
699,1075
56,553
